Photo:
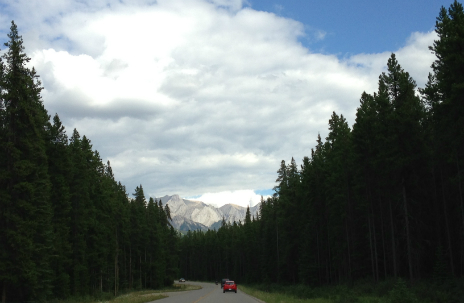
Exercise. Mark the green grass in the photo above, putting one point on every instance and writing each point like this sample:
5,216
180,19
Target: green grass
276,297
142,296
137,297
305,294
389,291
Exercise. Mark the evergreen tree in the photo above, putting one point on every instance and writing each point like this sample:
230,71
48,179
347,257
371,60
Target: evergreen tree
339,192
406,123
26,211
59,163
153,243
139,235
4,197
445,90
80,190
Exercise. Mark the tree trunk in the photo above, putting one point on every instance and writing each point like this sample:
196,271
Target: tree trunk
130,268
116,274
462,212
383,242
445,210
375,248
348,223
278,258
408,234
349,251
4,293
329,268
145,271
395,269
460,192
370,245
318,258
151,273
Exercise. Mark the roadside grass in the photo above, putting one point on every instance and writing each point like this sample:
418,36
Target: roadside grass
388,291
278,297
304,294
142,296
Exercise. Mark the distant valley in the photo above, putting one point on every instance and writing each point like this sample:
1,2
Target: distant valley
196,215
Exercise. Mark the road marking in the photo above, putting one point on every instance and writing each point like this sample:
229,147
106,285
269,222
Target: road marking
204,296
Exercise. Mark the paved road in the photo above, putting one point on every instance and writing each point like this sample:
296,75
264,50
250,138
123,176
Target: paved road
210,293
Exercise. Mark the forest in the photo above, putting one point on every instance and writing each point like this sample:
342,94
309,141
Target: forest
67,227
380,200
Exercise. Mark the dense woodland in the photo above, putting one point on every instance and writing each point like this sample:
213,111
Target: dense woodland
380,200
67,227
383,199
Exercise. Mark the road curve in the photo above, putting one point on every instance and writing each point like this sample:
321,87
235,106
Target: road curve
210,293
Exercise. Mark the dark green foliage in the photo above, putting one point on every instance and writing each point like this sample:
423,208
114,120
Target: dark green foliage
445,93
26,243
67,228
401,294
58,168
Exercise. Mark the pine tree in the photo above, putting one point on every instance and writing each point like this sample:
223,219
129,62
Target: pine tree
59,163
26,211
153,244
81,212
139,235
406,123
339,188
4,197
445,90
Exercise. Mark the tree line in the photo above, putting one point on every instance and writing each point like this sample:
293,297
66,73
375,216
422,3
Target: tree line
67,227
379,200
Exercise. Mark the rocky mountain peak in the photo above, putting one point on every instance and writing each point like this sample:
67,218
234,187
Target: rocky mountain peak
190,214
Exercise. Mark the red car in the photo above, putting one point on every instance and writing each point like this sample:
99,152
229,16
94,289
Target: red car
229,286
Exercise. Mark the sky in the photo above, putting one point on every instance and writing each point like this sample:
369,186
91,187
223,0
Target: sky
205,98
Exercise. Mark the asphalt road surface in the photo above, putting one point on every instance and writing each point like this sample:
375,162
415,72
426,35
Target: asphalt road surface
210,293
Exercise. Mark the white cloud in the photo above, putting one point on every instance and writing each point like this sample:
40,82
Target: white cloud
194,97
414,57
239,197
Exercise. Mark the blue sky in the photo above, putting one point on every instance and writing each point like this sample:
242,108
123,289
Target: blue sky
357,26
205,98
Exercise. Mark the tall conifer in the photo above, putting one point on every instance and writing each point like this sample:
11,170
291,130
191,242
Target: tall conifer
447,96
26,215
59,164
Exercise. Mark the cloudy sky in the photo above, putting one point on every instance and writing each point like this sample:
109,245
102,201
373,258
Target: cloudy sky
204,98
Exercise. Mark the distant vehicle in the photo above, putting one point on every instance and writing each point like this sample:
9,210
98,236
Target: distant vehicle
224,281
181,280
230,286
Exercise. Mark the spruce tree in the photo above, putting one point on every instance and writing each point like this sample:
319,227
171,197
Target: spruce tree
139,235
446,92
81,213
59,164
4,197
26,210
339,188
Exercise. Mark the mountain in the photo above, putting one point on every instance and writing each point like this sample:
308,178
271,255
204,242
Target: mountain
195,211
235,213
196,215
185,224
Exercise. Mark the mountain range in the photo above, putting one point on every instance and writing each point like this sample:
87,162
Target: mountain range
196,215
